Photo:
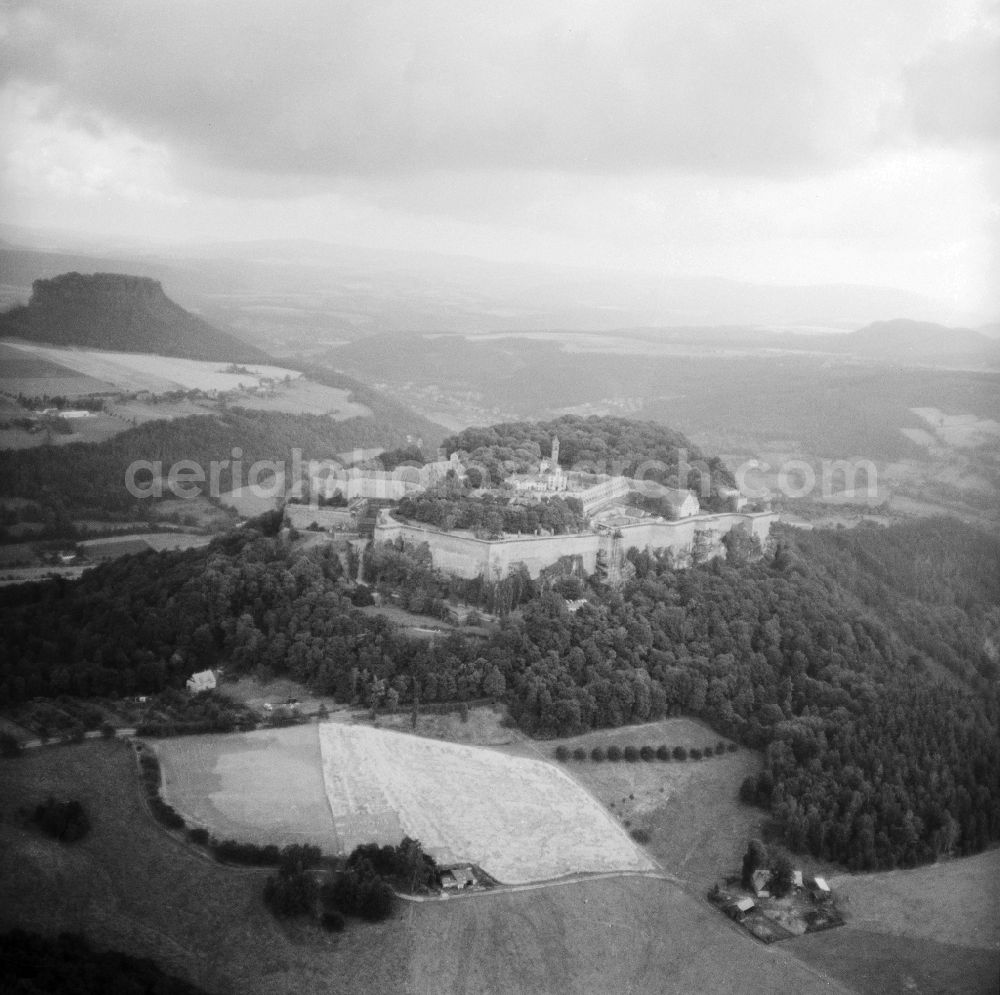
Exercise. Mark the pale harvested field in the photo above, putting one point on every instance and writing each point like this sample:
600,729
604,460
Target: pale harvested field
130,886
261,787
962,431
339,785
145,371
303,397
521,820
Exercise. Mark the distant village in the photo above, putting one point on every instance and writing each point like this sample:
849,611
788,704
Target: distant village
364,500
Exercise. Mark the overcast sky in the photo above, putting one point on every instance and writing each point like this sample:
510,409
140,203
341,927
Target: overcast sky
780,141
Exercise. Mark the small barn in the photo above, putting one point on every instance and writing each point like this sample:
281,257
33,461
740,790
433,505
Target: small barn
740,909
457,878
760,882
820,889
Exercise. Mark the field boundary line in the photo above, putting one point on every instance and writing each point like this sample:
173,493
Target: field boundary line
579,878
657,865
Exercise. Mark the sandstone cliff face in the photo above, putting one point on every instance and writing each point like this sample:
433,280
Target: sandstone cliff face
120,312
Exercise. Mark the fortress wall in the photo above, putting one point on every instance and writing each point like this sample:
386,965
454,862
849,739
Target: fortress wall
301,516
469,557
679,535
539,552
463,556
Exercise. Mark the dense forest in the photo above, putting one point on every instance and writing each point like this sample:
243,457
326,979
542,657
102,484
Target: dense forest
493,514
862,663
755,401
78,479
618,446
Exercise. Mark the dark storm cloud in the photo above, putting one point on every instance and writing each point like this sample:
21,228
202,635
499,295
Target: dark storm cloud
357,88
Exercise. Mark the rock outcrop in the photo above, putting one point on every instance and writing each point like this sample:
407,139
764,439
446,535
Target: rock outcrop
120,312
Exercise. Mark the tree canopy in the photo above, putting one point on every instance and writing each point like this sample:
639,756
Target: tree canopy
863,664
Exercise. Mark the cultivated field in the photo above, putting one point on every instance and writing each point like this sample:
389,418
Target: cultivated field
303,397
933,929
262,787
132,371
93,428
27,373
691,811
963,431
197,511
127,413
30,575
521,820
130,886
955,902
110,547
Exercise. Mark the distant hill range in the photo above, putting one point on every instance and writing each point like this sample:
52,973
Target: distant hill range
911,342
289,296
119,312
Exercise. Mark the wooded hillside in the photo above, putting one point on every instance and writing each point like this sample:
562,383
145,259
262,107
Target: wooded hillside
617,446
869,684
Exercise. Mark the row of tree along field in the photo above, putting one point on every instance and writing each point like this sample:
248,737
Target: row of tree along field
859,662
647,753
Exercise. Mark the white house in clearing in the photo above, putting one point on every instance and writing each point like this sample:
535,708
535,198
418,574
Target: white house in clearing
204,680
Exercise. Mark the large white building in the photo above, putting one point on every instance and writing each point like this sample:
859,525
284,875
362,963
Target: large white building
682,502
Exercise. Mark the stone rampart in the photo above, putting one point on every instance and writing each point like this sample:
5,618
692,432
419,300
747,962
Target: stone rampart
465,555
